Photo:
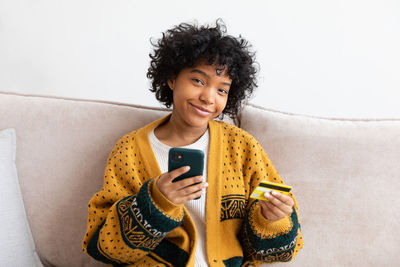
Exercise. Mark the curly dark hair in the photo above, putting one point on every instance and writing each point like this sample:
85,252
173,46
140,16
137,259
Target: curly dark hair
185,45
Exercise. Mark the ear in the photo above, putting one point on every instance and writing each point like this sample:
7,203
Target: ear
171,83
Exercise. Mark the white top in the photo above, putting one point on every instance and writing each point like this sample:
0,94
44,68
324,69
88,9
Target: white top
196,207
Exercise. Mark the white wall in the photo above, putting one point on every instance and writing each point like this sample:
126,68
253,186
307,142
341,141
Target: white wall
324,58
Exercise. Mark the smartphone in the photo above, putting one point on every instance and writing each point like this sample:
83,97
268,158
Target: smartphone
179,157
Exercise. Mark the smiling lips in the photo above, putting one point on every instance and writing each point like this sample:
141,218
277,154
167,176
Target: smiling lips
201,111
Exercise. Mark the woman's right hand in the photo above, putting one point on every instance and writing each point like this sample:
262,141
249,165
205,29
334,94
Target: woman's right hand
182,191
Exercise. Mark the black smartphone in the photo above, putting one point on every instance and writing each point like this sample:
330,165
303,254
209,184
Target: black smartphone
179,157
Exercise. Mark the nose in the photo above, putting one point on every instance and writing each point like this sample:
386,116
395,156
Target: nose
207,95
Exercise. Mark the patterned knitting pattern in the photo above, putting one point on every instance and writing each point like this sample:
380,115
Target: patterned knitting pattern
130,222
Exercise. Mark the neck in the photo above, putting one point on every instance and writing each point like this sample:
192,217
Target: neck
177,133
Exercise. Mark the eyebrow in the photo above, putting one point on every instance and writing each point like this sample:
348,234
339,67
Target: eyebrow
206,75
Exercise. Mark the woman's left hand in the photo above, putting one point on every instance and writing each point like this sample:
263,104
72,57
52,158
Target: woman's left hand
278,207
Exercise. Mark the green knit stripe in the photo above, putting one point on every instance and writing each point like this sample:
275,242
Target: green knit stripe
171,253
143,226
279,248
154,217
233,262
155,258
166,250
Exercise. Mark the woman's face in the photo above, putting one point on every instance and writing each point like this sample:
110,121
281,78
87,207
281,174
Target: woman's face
200,94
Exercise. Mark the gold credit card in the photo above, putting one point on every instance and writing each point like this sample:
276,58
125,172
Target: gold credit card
266,186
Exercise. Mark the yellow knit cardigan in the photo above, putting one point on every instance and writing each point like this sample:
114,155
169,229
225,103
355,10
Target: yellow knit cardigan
130,221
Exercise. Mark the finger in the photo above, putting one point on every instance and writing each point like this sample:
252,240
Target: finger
267,213
189,181
277,212
193,188
274,200
285,199
177,172
278,203
272,197
194,195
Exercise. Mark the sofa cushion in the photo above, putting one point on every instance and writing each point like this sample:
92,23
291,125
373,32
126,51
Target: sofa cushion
346,178
62,153
344,173
16,247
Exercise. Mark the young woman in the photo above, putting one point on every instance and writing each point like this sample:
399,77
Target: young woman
142,218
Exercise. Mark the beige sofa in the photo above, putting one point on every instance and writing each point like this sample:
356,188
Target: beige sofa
345,174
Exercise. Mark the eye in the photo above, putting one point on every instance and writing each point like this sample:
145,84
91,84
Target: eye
198,81
223,91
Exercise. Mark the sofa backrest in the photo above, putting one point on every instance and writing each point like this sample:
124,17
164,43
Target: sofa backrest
344,173
346,178
62,148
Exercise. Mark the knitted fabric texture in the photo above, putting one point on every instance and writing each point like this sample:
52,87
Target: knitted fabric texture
195,207
130,222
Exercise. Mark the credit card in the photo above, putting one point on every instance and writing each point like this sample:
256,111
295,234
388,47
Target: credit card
266,186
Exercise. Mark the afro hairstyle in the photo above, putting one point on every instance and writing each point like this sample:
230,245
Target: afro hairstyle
185,45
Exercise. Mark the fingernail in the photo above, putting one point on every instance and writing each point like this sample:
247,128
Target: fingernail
187,168
206,184
268,195
275,193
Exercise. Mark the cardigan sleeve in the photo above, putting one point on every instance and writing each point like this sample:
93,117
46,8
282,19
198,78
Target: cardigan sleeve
129,216
265,241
